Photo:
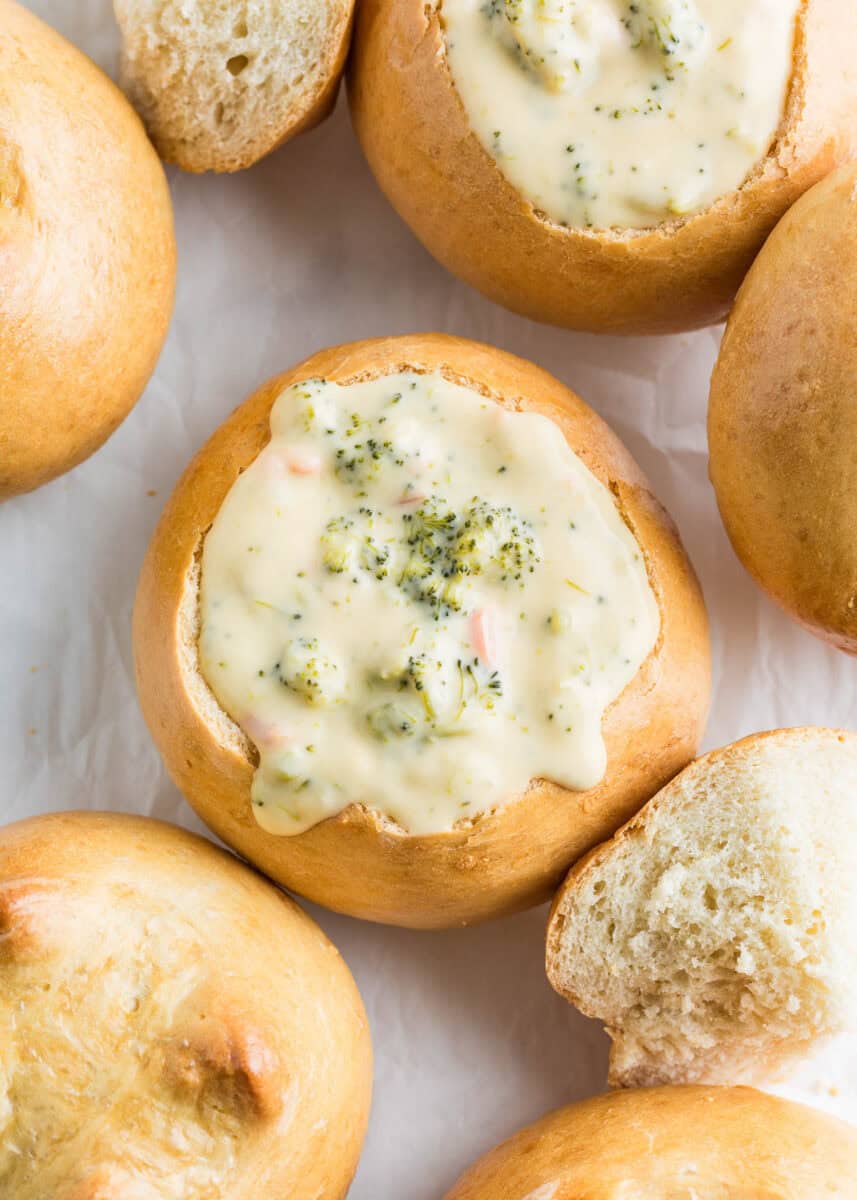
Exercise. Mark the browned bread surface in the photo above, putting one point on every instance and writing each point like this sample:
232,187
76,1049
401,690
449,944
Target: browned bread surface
416,136
682,1143
87,255
782,423
506,859
172,1027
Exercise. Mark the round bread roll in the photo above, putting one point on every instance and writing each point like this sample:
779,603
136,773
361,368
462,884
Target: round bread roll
715,935
221,85
782,421
173,1027
671,1144
682,271
357,861
87,257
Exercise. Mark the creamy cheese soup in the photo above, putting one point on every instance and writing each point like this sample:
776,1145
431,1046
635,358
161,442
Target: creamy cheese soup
605,113
417,600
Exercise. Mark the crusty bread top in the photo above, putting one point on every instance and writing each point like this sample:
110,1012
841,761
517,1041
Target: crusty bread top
716,933
173,1027
782,422
220,84
87,255
683,1143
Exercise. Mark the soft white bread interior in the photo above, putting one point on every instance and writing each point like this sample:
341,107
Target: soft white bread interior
716,934
220,83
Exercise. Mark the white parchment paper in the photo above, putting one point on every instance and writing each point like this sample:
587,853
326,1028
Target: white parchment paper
300,252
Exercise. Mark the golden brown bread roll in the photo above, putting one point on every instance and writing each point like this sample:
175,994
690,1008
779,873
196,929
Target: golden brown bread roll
509,855
682,1143
172,1027
87,256
782,422
681,272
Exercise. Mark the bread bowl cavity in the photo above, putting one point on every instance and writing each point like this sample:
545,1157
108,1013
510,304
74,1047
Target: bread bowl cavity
681,1143
431,161
219,85
87,254
715,934
173,1027
611,114
417,600
782,422
359,861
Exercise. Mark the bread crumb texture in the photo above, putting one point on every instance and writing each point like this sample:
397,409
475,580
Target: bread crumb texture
227,732
221,83
717,932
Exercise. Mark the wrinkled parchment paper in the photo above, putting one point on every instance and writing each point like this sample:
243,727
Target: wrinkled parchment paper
300,252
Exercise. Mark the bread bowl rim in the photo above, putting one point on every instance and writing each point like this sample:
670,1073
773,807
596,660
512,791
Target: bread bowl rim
673,276
166,585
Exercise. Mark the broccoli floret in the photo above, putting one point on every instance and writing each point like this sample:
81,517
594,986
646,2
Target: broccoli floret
446,690
356,543
672,28
318,413
445,547
365,451
312,675
429,574
495,542
420,676
392,720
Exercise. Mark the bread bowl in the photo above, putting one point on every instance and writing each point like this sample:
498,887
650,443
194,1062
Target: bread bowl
714,935
87,258
404,849
782,420
682,1143
459,111
221,85
173,1026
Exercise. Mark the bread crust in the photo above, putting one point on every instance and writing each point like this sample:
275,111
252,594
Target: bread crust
87,254
681,1142
681,275
356,862
246,1027
782,423
197,156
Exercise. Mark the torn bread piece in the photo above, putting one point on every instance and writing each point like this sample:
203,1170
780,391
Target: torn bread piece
715,935
219,85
